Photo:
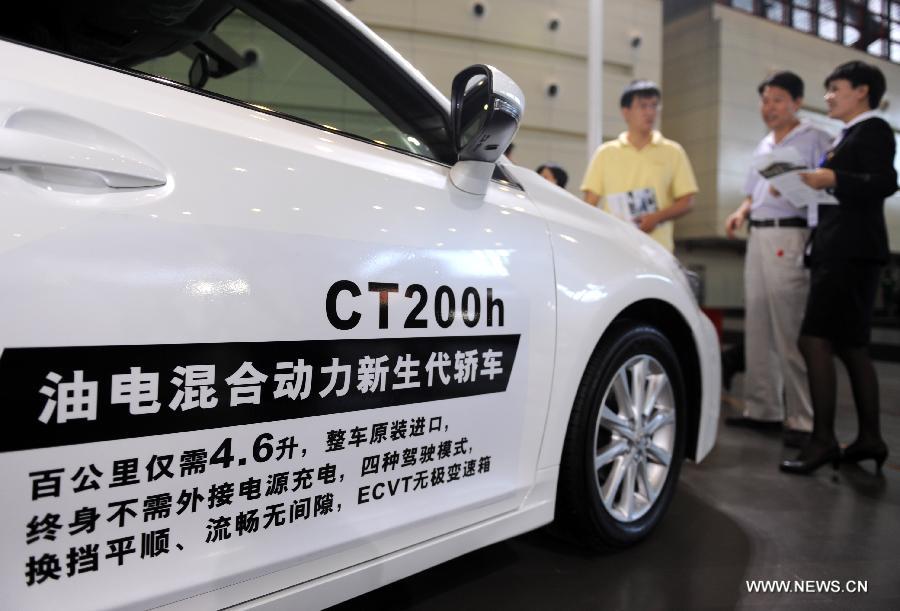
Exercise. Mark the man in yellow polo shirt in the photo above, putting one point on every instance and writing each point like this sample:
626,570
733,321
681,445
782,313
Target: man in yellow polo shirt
642,176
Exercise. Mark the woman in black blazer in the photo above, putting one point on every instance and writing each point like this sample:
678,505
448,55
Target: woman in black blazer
846,252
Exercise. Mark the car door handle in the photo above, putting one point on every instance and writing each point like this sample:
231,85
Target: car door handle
118,171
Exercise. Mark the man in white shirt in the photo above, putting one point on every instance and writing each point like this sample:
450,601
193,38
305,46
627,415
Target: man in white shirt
776,283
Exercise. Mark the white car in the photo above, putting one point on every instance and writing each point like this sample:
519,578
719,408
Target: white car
280,325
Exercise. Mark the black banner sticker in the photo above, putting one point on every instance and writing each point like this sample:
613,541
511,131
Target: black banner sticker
71,395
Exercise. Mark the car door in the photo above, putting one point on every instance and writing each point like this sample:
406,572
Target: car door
252,325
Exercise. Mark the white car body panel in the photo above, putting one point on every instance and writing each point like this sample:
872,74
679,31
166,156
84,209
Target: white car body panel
602,260
257,218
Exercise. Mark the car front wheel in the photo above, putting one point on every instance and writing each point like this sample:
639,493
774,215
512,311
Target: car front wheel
625,440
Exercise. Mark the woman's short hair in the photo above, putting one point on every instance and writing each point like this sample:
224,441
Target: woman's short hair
860,73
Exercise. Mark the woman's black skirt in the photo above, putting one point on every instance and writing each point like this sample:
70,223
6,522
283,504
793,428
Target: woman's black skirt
841,300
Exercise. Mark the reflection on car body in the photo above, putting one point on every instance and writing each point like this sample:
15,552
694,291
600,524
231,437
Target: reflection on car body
282,325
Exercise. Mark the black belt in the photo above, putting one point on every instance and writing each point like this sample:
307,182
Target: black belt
789,222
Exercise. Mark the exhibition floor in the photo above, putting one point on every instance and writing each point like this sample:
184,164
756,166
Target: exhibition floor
734,519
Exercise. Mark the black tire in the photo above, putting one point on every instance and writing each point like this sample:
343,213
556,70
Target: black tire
580,510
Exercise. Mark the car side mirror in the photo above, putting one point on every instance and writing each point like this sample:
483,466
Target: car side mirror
485,109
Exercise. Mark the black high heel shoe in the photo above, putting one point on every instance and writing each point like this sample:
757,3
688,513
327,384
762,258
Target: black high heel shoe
811,458
857,452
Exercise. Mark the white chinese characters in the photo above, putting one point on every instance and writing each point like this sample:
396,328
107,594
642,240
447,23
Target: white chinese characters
75,400
195,385
139,391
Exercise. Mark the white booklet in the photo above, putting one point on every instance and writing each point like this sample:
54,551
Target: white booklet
782,169
629,205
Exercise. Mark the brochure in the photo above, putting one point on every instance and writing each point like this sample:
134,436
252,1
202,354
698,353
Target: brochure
630,205
782,168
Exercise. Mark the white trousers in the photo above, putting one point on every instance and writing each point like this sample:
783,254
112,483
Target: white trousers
776,387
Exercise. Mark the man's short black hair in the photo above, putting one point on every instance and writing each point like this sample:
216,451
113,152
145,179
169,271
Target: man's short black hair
639,89
558,173
860,73
786,80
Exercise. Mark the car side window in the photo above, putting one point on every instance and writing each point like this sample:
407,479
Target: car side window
290,58
244,60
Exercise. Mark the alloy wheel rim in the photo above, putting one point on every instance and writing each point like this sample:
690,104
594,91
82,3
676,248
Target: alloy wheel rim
634,438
